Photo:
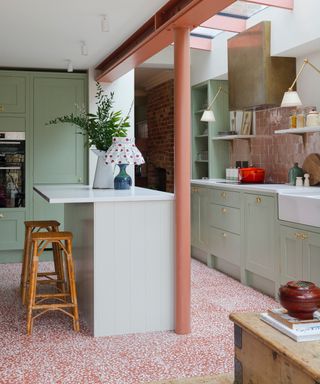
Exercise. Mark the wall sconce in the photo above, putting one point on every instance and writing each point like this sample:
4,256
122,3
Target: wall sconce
291,98
208,114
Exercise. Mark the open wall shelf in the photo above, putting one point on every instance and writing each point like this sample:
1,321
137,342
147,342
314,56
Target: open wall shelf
298,131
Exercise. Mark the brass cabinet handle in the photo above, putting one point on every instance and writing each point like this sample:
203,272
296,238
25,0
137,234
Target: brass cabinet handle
1,215
301,236
224,235
223,195
258,200
224,210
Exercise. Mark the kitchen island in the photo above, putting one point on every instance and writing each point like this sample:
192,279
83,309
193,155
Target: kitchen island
124,256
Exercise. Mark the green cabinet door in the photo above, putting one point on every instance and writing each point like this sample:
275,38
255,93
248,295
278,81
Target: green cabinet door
12,93
311,257
290,254
11,229
260,247
199,218
58,151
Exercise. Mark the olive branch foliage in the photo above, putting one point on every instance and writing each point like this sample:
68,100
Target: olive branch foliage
99,127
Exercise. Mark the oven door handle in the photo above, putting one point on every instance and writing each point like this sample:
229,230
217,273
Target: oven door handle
10,167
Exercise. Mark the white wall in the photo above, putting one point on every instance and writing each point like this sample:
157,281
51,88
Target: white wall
123,89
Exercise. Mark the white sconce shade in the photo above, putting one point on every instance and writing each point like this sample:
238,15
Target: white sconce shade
70,66
208,116
291,99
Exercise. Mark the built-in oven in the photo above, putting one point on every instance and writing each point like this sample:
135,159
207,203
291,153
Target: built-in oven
12,169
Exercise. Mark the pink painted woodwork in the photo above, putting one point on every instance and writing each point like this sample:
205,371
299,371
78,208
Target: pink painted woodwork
182,132
287,4
225,23
200,43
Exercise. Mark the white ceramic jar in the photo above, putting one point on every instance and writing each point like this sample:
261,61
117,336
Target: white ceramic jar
312,119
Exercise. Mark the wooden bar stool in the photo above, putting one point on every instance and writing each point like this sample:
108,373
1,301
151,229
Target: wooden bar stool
36,226
61,301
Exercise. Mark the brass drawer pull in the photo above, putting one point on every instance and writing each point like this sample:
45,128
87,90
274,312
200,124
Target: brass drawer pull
224,235
224,210
1,215
300,236
223,195
258,200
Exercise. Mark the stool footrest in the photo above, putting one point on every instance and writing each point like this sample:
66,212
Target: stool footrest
47,274
53,306
52,295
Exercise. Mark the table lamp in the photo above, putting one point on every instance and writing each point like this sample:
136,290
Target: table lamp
291,98
123,152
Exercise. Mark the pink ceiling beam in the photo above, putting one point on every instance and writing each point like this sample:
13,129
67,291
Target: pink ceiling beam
225,23
286,4
200,43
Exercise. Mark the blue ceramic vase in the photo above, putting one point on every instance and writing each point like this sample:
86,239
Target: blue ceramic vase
122,180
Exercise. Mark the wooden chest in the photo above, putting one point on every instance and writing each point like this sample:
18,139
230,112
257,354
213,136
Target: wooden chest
263,355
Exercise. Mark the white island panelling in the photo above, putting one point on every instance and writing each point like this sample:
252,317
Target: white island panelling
124,256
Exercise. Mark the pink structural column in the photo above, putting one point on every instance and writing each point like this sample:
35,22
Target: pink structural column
182,138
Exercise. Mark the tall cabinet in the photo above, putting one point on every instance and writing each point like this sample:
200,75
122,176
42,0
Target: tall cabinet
209,158
55,154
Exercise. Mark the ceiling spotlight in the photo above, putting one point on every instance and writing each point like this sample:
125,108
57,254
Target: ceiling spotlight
69,66
84,48
104,24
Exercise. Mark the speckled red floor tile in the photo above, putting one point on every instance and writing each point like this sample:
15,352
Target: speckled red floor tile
55,354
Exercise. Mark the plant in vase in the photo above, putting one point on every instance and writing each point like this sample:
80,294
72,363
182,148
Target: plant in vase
100,128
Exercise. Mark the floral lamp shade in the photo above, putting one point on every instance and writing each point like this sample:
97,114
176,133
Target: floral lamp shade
123,151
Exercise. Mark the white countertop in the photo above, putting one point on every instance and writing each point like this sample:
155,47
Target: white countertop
85,194
275,188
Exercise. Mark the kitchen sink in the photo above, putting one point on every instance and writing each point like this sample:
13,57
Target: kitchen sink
301,207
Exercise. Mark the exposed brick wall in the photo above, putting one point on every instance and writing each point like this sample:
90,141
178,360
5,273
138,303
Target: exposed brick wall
160,117
275,153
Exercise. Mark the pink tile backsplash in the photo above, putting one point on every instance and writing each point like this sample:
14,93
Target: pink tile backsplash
275,153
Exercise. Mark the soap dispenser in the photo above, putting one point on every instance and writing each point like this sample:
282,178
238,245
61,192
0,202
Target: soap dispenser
295,172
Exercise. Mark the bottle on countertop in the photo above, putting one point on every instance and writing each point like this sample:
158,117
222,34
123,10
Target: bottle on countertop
295,172
306,180
293,120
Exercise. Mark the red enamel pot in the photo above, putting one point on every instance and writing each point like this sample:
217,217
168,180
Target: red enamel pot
251,175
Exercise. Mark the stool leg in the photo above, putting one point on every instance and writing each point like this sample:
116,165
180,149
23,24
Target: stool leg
72,284
58,263
32,287
26,263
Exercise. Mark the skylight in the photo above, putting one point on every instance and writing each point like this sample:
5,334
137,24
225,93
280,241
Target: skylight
242,9
208,33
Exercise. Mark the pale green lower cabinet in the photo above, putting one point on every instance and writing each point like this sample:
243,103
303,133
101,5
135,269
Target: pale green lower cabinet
300,255
260,246
199,211
11,229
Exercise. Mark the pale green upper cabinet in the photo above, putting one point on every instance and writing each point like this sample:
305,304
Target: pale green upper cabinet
209,158
12,93
58,149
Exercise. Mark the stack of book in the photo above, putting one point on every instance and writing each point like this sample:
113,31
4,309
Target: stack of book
298,330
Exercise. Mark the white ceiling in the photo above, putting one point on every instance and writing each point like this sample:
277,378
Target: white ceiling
47,33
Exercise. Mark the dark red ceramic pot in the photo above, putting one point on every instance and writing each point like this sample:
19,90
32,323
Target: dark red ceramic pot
300,298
